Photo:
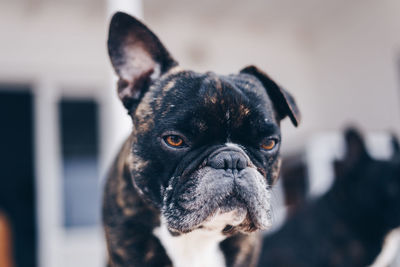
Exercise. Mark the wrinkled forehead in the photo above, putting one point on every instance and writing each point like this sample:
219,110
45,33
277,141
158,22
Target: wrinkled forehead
237,94
206,102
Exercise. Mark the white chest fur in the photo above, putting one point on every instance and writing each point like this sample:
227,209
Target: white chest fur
199,248
196,249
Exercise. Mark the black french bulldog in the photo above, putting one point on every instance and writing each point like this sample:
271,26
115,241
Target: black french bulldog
346,227
192,182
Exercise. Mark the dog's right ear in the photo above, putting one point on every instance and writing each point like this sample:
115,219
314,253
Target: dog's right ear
138,57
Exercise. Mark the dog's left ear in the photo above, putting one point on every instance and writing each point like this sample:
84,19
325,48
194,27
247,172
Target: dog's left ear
138,57
283,102
395,146
355,152
356,149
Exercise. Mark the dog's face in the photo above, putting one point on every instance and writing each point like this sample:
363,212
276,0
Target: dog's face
202,144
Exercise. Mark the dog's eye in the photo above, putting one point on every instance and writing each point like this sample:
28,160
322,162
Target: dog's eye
268,144
174,141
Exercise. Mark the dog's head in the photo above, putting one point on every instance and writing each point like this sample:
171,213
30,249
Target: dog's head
368,185
202,144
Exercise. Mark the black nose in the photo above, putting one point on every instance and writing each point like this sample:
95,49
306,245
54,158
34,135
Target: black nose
228,159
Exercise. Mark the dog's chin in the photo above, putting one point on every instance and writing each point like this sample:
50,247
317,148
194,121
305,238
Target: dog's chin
215,200
230,217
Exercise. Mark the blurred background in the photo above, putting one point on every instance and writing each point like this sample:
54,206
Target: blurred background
61,123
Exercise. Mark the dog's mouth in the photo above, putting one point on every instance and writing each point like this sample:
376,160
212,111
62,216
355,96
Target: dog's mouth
232,215
217,199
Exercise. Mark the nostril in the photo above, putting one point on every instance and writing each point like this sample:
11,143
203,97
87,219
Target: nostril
217,162
241,164
228,163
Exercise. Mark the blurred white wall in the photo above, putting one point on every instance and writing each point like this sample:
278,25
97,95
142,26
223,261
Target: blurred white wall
357,67
52,38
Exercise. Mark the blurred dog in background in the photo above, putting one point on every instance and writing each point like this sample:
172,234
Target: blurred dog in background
347,226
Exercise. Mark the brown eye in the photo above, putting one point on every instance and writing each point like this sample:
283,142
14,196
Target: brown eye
174,141
268,144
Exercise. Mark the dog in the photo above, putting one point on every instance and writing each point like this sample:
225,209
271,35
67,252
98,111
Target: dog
192,182
347,226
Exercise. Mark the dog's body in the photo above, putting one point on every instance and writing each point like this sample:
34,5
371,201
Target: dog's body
136,237
347,226
192,182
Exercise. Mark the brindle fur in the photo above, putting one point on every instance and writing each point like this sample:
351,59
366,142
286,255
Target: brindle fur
129,220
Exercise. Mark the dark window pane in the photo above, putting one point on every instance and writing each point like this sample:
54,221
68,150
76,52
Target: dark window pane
17,190
79,138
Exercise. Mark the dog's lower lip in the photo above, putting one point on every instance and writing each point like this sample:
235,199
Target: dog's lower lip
231,201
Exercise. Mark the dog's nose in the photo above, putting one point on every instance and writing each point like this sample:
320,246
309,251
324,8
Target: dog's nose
228,159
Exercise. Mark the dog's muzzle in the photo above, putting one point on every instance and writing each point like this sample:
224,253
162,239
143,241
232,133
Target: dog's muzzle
226,181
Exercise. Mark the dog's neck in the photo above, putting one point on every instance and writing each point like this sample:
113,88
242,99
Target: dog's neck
198,248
